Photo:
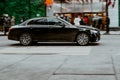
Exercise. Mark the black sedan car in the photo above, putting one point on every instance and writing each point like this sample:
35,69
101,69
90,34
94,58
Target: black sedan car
52,29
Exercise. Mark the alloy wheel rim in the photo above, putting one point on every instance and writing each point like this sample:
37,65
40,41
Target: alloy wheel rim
25,39
82,39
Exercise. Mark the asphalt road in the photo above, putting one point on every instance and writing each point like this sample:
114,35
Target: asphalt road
60,61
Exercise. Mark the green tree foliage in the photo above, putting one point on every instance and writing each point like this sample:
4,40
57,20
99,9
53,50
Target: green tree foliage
37,7
1,7
19,8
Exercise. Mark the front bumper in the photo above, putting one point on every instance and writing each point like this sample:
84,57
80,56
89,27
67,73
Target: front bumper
95,37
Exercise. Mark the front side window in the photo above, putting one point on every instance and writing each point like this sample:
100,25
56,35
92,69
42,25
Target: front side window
52,21
24,23
56,22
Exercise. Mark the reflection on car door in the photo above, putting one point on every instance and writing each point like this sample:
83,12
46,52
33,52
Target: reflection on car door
39,29
60,32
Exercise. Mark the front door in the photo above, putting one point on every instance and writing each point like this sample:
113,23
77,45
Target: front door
60,31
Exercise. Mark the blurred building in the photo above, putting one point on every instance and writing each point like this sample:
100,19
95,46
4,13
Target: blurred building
114,14
83,8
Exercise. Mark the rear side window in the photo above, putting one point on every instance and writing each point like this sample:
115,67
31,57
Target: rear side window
38,22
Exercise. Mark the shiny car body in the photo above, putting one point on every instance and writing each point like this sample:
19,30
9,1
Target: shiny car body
52,29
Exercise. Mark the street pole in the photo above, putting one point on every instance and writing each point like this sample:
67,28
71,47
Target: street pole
107,18
106,8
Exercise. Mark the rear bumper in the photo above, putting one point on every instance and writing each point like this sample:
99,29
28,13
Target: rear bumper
13,37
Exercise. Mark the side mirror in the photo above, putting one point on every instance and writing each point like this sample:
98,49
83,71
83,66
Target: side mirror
61,24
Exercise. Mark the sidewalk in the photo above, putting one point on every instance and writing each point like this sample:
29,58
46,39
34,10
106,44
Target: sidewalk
59,67
111,32
2,33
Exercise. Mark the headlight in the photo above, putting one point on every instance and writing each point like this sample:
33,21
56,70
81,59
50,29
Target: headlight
93,31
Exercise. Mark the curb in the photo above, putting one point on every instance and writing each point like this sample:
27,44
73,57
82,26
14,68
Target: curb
110,33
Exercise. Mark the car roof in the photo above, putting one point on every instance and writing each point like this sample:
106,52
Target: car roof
43,17
48,17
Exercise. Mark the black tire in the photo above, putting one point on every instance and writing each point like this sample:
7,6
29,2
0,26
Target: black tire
25,39
82,39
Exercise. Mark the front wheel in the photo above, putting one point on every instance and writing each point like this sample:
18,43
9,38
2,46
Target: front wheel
82,39
25,39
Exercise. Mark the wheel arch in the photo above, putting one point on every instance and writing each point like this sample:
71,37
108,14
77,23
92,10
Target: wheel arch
80,33
23,32
21,41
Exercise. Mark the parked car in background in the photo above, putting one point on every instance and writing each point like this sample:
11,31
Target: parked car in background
52,29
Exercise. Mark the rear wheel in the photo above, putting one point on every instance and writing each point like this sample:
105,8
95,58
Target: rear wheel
82,39
25,39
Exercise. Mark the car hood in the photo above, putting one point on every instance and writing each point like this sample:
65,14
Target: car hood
87,27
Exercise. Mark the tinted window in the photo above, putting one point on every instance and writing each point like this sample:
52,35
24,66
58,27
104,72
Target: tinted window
31,22
23,24
38,22
52,21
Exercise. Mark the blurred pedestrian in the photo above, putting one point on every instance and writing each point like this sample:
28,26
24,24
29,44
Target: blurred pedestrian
6,23
12,21
86,20
67,18
99,26
62,16
1,20
22,19
77,20
1,23
82,22
107,25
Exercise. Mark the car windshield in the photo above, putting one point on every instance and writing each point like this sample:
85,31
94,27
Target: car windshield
67,23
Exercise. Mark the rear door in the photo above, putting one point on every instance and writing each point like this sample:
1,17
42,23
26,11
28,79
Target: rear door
39,29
